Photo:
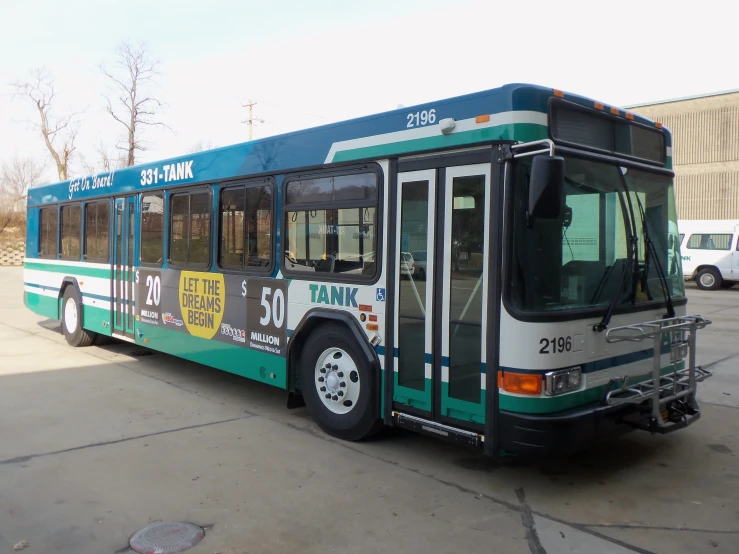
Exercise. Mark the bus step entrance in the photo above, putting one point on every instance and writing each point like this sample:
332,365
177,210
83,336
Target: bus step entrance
438,430
663,403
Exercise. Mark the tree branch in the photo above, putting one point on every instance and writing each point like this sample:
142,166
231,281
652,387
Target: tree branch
58,134
134,70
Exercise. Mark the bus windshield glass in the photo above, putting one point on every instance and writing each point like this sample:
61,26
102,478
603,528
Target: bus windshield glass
581,260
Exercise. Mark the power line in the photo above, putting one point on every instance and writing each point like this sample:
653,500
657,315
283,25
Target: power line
252,120
295,111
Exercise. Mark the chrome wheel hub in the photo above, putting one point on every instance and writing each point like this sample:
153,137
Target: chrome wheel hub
337,380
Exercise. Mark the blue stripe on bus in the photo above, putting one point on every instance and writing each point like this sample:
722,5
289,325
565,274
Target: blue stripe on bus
599,365
34,285
587,367
429,359
99,297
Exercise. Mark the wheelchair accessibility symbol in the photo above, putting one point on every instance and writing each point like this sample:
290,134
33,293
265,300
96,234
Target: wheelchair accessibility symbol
380,295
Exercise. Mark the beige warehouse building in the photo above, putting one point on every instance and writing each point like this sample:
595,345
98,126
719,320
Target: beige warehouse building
705,152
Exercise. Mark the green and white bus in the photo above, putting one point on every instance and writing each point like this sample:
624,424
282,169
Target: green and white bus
548,315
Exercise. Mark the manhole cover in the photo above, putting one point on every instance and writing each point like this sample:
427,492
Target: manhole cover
164,537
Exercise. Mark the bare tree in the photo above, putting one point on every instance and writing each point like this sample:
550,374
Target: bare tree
200,146
59,133
128,102
102,161
16,177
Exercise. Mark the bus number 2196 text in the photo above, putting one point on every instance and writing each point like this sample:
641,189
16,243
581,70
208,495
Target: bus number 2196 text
419,119
555,345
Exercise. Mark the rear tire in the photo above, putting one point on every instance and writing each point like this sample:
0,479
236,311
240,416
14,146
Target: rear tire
74,333
331,360
708,279
422,274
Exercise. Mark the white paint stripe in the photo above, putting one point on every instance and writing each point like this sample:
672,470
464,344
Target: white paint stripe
42,278
89,285
42,292
102,304
504,118
54,293
66,262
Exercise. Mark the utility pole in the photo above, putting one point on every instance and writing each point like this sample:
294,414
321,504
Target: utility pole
252,120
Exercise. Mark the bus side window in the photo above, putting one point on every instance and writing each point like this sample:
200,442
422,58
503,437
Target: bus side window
48,229
97,225
152,229
331,224
189,221
245,227
71,231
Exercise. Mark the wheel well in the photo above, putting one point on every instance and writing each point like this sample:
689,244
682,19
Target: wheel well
705,266
307,325
66,283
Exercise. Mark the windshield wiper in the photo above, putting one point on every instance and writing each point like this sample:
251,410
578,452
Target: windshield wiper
631,255
650,249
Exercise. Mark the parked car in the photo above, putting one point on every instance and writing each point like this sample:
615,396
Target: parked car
419,259
407,266
710,252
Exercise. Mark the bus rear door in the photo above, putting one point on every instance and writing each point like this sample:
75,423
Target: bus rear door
123,270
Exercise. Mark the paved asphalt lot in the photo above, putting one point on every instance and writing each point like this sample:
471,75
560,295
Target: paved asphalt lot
97,442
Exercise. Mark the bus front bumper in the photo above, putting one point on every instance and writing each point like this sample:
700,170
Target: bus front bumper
562,433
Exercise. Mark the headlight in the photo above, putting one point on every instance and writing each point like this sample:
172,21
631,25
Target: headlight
562,381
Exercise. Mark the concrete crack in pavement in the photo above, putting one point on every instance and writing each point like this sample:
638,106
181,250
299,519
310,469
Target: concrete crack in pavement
22,459
527,519
711,364
660,528
499,501
526,512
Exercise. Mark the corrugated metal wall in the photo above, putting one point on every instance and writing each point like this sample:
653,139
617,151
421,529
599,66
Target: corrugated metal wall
704,137
707,195
705,140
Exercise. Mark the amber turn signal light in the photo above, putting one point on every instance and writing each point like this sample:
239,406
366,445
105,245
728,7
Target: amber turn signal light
521,383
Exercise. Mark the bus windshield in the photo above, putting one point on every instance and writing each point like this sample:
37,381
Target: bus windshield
579,260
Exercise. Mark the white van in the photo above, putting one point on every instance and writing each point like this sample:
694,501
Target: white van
710,252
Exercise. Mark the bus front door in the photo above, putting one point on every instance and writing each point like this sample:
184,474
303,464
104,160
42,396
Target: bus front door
441,285
123,270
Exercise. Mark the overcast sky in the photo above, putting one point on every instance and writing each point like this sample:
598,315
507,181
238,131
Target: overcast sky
307,63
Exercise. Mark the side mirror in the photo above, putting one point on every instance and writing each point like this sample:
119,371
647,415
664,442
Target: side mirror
546,187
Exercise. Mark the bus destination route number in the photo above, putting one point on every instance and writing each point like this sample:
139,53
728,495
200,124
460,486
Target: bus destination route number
266,315
166,173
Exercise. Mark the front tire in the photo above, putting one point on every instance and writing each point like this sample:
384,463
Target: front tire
708,279
338,385
422,274
74,333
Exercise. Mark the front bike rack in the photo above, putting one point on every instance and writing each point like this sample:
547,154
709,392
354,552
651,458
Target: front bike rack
669,399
